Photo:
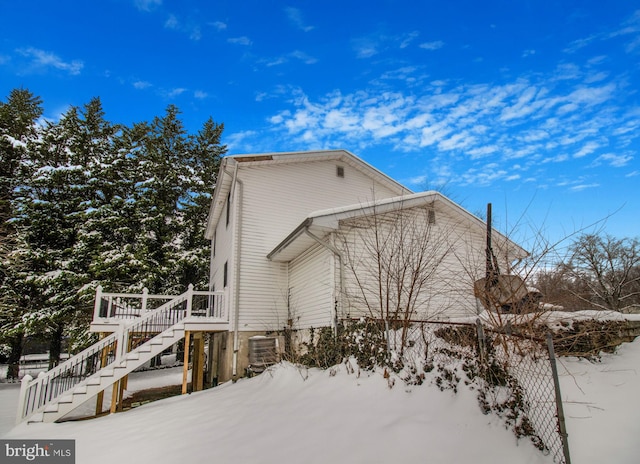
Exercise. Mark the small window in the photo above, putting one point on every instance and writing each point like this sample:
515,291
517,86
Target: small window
340,171
228,207
225,274
213,245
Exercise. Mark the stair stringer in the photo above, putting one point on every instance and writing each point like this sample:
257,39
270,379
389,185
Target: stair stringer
108,375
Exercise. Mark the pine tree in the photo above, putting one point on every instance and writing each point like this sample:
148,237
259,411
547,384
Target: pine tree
49,215
18,129
96,203
176,174
206,153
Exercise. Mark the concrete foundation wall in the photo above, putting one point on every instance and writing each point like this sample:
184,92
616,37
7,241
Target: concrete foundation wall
221,351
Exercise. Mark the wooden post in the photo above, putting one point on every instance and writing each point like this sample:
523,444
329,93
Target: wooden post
114,397
197,371
185,370
122,383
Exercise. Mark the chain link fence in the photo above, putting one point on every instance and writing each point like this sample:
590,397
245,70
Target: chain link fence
515,377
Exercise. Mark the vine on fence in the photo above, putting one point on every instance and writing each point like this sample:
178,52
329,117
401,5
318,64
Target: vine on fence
502,369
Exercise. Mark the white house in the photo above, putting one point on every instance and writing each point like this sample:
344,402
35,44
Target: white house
292,248
298,241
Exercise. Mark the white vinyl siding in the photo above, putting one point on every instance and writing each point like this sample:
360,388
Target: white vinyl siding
311,289
454,258
276,198
223,255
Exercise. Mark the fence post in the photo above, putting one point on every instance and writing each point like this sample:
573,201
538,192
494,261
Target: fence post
386,334
559,408
481,340
145,296
120,348
22,399
97,304
189,300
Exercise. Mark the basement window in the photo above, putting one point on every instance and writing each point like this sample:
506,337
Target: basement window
340,171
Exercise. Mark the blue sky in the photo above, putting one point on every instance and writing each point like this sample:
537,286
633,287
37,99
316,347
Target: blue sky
530,105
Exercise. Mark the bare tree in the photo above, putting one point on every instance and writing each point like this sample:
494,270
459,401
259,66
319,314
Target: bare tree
397,262
609,268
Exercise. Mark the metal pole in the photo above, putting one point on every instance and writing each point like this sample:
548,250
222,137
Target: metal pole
481,340
559,409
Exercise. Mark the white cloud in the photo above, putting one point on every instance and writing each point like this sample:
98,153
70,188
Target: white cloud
539,119
483,151
147,5
587,149
616,161
436,45
633,45
245,140
295,16
172,22
417,180
141,85
218,25
302,56
581,187
596,77
408,38
373,44
240,40
365,47
461,140
43,59
196,33
176,92
191,29
200,95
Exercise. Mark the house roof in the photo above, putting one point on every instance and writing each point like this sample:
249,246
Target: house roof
319,223
230,164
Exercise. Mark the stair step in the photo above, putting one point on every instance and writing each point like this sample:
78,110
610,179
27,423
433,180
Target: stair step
53,407
76,395
36,418
80,390
65,399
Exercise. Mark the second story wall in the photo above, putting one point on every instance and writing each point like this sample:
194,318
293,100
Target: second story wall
276,198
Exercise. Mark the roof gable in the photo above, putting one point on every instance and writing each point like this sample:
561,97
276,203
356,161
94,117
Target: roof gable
232,163
322,222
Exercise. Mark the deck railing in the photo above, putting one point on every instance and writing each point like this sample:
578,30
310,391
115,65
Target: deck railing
36,393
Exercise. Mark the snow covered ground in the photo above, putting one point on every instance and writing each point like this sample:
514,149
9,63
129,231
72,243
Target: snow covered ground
298,415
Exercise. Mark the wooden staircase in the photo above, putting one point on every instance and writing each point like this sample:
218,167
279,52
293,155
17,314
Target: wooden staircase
54,394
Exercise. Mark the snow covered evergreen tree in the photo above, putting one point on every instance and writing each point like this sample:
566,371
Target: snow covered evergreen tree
97,204
176,176
49,214
18,117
